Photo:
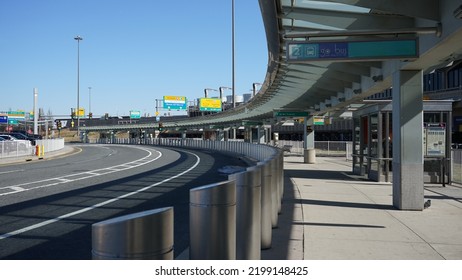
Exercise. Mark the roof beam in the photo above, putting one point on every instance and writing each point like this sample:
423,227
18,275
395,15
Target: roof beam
425,9
348,20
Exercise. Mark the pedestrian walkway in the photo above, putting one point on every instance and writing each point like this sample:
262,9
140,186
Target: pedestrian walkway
330,214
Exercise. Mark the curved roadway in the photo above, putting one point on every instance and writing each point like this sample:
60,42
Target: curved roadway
47,207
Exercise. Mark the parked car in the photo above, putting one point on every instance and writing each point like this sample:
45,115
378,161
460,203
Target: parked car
15,144
23,136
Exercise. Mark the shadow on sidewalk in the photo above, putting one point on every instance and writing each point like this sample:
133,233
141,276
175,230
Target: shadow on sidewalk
338,225
317,174
283,235
347,204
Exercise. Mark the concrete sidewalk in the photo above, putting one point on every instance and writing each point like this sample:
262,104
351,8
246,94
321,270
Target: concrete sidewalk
330,214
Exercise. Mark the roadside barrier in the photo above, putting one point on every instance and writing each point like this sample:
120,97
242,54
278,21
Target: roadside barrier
248,213
145,235
212,222
232,219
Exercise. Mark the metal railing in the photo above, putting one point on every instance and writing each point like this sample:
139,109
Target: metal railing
258,152
50,145
323,148
11,149
456,167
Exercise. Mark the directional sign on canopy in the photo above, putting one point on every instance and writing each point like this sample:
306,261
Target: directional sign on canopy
352,50
296,114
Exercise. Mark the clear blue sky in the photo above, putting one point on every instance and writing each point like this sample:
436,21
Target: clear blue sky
132,52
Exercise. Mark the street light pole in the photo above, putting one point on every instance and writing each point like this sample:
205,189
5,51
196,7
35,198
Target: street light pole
206,92
233,60
89,103
254,87
78,38
221,95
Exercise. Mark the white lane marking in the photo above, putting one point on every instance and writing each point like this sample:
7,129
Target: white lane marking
81,176
12,171
83,210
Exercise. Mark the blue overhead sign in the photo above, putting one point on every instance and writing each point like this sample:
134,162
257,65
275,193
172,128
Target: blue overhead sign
3,119
352,50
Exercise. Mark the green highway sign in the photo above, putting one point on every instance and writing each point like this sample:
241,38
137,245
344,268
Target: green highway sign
251,123
299,114
135,114
352,50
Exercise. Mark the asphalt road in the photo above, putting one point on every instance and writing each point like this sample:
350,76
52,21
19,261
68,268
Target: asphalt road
47,207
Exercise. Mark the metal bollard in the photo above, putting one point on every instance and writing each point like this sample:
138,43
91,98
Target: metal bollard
274,192
266,226
281,174
248,213
212,222
277,173
145,235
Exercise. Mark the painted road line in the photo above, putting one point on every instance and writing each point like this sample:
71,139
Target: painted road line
98,205
12,171
80,176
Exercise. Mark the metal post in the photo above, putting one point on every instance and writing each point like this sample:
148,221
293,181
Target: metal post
212,222
78,38
89,103
35,111
248,213
274,192
277,180
281,174
266,234
233,58
146,235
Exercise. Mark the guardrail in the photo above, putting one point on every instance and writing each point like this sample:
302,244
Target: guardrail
323,148
50,145
256,151
231,219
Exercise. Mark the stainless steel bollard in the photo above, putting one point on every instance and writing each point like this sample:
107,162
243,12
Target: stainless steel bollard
145,235
212,222
281,174
248,213
274,192
266,226
278,181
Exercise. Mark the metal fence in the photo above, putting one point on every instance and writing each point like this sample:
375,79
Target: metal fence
11,149
255,151
50,145
456,166
323,148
